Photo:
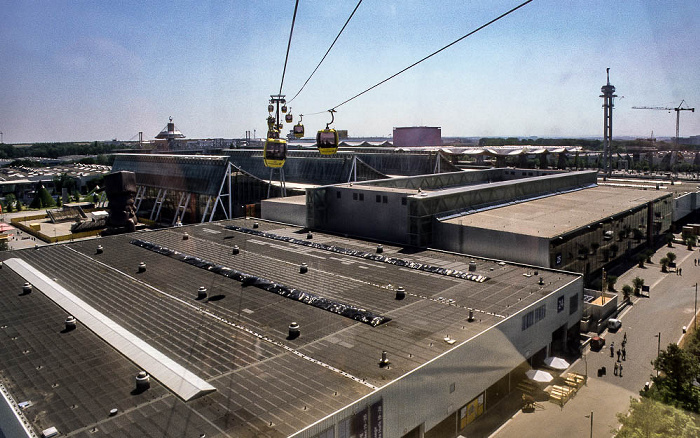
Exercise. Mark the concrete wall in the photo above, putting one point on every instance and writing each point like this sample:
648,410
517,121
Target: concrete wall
684,205
288,212
423,396
356,211
501,245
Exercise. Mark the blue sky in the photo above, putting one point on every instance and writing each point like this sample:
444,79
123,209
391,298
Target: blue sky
96,70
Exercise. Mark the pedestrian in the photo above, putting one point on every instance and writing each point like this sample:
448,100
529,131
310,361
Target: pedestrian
620,370
612,349
624,354
615,369
695,261
618,354
680,271
624,338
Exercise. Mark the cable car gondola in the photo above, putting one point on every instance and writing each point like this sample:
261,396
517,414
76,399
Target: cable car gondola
327,139
299,128
275,152
289,118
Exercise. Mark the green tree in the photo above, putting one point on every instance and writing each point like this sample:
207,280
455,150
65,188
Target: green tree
651,419
42,199
691,241
612,279
627,291
679,369
671,256
664,264
637,283
641,258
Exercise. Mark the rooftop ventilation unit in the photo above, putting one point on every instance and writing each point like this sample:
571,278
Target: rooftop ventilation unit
185,236
294,331
143,381
256,225
99,250
385,361
471,315
309,235
201,293
380,249
304,268
71,323
142,267
27,288
472,266
400,293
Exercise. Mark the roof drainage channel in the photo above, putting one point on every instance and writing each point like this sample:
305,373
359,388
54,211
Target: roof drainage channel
175,377
346,310
366,255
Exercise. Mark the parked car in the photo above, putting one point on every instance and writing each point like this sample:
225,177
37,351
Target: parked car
614,324
597,343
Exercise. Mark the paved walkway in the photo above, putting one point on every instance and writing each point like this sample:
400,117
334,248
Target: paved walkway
608,395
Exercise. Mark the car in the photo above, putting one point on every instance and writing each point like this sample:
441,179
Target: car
614,324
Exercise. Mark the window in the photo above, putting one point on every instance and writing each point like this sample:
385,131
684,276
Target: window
385,199
573,304
362,196
540,312
560,304
528,320
354,196
403,201
379,198
337,195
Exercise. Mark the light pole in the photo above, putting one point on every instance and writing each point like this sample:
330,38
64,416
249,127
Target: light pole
658,351
591,416
695,315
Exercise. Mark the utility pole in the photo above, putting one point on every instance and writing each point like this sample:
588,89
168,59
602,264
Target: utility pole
658,351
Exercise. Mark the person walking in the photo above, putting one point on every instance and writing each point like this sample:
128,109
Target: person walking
612,349
615,369
618,354
624,354
620,370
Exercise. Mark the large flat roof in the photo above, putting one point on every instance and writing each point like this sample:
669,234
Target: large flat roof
552,216
237,338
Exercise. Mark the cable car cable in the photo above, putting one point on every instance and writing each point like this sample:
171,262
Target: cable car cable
435,52
327,52
286,57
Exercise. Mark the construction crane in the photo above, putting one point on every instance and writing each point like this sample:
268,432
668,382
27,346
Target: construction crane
677,109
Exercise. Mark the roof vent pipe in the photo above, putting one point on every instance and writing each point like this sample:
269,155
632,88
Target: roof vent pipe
143,381
294,331
385,361
100,250
256,225
400,293
380,249
27,288
472,266
235,250
471,315
185,236
201,293
304,268
142,267
309,235
70,323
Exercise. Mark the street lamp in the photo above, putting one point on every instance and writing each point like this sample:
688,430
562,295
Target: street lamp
658,351
591,417
695,315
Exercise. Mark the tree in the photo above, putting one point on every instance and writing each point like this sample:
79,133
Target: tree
637,234
671,256
641,258
614,249
612,279
664,264
626,291
649,418
42,199
674,385
691,241
649,253
637,283
669,239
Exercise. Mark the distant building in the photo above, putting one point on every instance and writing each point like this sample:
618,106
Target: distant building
417,136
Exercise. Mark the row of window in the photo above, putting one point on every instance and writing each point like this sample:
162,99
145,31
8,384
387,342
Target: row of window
384,199
533,317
